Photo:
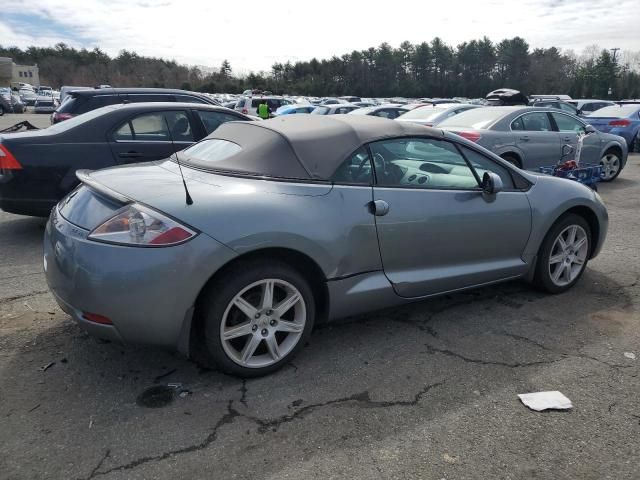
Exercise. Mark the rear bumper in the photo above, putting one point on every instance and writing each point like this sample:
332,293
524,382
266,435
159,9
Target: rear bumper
24,192
147,293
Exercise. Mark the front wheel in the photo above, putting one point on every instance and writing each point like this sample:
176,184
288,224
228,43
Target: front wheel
563,255
256,318
611,165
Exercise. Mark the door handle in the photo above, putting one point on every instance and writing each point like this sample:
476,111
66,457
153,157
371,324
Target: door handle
567,139
525,138
130,155
379,208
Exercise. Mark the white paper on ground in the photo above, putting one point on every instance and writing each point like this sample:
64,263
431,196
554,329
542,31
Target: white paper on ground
539,401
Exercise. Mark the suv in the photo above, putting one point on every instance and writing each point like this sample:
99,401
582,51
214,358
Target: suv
82,101
249,105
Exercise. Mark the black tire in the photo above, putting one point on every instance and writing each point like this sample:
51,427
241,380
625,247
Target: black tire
221,292
1,111
635,144
542,278
619,157
512,159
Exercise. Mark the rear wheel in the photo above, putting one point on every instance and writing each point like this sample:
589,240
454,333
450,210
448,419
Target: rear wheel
1,111
563,255
611,165
256,318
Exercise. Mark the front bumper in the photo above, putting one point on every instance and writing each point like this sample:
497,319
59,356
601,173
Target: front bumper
148,293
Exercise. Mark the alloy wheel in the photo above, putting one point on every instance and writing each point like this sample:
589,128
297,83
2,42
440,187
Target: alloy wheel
263,323
610,166
568,255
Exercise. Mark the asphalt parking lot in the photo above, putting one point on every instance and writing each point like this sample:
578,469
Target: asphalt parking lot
426,391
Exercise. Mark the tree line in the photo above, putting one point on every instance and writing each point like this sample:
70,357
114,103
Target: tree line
427,69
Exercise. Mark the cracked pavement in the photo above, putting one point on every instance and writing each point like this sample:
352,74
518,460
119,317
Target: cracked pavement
424,391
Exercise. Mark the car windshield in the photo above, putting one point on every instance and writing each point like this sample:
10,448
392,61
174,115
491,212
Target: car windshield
477,118
211,151
616,111
423,113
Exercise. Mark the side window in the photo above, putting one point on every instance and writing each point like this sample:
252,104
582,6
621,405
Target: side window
536,122
517,124
567,124
180,126
482,164
355,170
124,132
150,127
421,163
212,120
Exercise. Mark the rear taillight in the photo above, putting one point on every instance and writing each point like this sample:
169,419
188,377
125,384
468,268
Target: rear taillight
623,122
139,226
59,116
472,136
245,111
7,160
95,318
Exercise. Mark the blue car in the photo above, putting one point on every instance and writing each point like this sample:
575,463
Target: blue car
622,120
295,108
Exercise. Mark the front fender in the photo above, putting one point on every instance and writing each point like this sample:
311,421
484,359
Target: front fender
550,198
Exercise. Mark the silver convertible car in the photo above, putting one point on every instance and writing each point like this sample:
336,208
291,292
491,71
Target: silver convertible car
532,137
301,219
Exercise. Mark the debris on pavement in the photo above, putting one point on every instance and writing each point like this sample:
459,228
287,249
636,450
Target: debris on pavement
46,367
540,401
630,355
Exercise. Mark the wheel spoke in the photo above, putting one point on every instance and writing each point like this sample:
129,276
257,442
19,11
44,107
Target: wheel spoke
284,326
250,348
556,259
556,275
563,244
567,269
571,237
578,261
284,306
577,245
272,346
237,331
245,307
267,294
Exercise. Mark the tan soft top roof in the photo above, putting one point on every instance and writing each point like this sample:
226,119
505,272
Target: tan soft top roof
304,146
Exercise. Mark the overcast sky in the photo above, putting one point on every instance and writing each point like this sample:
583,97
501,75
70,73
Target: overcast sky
253,35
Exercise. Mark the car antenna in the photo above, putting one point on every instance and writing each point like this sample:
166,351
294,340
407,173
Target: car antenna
188,198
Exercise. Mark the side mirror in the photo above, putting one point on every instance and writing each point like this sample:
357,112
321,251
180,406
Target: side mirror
590,129
491,183
567,150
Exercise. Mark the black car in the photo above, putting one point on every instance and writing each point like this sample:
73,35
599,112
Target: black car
37,167
82,101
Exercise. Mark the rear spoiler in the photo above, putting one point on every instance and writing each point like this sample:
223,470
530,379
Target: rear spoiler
85,177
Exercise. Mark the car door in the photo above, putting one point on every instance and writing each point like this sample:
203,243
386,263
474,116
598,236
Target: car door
536,138
569,130
151,136
437,231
